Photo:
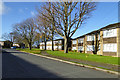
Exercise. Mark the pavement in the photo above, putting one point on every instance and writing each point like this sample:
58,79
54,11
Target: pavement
17,64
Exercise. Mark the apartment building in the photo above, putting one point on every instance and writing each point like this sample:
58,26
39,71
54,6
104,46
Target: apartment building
6,44
42,45
78,44
81,44
58,44
92,42
105,41
87,43
74,44
110,40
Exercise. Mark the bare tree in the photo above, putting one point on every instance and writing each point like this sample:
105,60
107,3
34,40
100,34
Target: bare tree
38,38
50,26
43,29
67,17
26,30
97,42
8,36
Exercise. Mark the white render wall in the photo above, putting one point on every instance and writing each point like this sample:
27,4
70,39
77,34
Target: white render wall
16,45
49,42
2,43
74,48
74,42
42,47
57,47
49,45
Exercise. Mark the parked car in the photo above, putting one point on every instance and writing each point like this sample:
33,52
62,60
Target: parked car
14,47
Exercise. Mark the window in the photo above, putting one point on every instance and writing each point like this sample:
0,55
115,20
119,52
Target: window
74,42
110,47
90,37
98,36
80,48
90,48
60,47
110,33
55,42
60,42
74,48
55,47
50,42
80,40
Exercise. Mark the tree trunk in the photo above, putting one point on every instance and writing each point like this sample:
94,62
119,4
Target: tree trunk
66,40
52,45
96,44
30,46
52,42
45,44
38,45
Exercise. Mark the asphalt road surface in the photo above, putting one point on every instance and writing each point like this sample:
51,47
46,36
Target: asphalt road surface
17,64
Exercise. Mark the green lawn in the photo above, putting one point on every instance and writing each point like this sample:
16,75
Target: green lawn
88,57
34,50
76,55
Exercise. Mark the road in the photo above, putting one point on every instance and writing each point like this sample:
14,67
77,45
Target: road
17,64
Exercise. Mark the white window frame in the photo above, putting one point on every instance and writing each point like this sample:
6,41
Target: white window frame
90,37
80,48
74,42
111,47
81,40
110,33
90,47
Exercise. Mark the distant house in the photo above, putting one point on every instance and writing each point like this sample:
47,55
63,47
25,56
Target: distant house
22,45
19,45
16,45
6,44
1,43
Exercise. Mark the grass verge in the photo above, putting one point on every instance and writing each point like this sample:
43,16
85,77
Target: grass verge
34,50
87,57
76,55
